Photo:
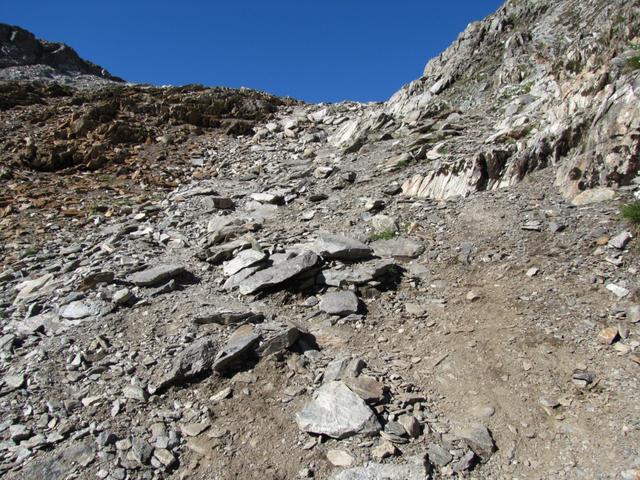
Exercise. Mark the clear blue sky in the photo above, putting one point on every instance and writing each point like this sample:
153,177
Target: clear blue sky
314,50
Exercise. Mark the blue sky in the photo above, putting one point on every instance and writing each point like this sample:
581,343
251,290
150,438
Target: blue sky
321,50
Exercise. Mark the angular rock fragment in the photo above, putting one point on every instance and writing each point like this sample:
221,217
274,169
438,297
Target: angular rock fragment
237,347
398,248
367,388
156,275
478,438
438,455
28,287
246,258
78,310
193,361
339,303
340,247
340,458
337,412
228,317
620,241
279,273
358,274
266,197
594,195
279,341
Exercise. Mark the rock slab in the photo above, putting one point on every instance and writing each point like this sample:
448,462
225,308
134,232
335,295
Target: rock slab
339,303
279,273
156,275
338,413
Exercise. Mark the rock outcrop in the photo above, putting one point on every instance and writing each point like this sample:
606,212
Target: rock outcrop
25,57
537,84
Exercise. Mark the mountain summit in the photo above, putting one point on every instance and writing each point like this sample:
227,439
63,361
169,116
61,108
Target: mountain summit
24,57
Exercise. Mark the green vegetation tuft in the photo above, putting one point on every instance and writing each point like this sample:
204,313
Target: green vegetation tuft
633,63
631,212
387,234
402,163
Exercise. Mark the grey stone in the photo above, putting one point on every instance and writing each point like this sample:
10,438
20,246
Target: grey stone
410,424
19,432
342,368
384,223
414,469
122,296
134,392
194,360
266,197
156,275
384,450
633,313
14,381
367,388
357,274
466,462
394,428
337,412
438,455
339,303
279,341
140,451
340,247
78,310
235,280
398,247
617,290
594,195
279,273
478,438
239,344
620,241
165,457
244,259
228,317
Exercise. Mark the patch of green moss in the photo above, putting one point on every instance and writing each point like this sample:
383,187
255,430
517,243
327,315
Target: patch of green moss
387,234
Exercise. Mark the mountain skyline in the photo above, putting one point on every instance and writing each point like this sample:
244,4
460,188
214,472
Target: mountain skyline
330,53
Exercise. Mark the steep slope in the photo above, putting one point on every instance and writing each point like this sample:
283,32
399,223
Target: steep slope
24,57
536,84
214,283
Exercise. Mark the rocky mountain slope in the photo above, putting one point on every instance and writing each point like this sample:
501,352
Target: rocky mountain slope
536,84
25,57
215,283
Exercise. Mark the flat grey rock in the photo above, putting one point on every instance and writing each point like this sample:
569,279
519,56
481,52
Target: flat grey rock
235,280
244,259
237,347
228,317
337,412
339,303
266,197
357,274
78,310
340,247
620,241
438,455
193,361
279,273
398,247
415,469
156,275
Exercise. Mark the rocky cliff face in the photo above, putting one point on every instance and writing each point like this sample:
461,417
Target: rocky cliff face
24,57
538,83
